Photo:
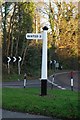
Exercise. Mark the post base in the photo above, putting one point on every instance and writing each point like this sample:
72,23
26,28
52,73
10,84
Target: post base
43,87
71,88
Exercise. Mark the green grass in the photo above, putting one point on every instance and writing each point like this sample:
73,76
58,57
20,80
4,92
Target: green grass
1,97
57,103
16,77
11,77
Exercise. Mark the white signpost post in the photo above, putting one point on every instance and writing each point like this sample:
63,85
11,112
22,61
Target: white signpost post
44,57
44,63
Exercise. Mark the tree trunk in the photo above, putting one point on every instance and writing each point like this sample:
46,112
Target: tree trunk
23,47
4,32
17,43
10,29
12,43
24,56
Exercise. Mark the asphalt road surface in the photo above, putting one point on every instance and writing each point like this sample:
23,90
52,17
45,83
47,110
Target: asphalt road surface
19,115
61,81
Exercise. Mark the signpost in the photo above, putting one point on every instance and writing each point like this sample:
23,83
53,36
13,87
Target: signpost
9,59
33,36
19,69
54,61
14,59
51,63
44,63
44,57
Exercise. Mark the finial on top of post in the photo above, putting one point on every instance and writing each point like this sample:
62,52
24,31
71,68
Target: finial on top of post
45,28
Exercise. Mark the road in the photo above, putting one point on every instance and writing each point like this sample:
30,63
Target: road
61,81
19,115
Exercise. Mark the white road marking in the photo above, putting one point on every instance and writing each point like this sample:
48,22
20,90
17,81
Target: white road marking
63,88
59,74
56,85
59,87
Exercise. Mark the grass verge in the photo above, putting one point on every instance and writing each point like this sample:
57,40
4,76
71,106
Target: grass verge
15,77
11,77
57,103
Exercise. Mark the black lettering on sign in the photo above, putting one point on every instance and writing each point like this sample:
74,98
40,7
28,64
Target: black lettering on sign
40,36
28,35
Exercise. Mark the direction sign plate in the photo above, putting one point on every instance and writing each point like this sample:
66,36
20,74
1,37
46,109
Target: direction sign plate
33,36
